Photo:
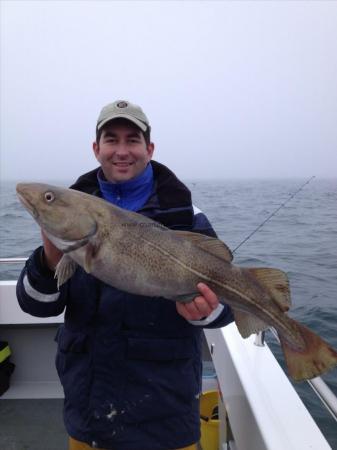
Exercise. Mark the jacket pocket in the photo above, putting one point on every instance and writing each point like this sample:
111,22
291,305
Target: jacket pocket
163,379
73,365
70,341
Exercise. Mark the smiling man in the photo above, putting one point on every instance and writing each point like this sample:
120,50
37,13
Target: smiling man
130,365
122,145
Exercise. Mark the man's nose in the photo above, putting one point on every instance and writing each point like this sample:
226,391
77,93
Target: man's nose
122,149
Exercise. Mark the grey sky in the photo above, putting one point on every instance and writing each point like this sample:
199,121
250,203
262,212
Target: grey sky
232,89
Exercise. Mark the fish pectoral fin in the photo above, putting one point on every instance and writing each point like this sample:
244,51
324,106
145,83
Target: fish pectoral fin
247,323
65,269
210,244
276,282
91,251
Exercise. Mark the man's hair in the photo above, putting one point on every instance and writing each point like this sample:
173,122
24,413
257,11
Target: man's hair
146,134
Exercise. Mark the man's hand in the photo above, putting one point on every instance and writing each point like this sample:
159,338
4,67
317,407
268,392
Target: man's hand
201,306
52,254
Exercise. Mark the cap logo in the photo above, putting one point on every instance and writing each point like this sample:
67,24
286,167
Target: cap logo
122,105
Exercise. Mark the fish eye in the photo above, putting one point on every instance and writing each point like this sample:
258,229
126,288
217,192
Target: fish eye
49,197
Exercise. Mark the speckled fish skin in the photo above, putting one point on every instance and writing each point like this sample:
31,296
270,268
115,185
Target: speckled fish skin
137,255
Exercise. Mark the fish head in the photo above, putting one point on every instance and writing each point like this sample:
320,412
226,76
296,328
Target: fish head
64,215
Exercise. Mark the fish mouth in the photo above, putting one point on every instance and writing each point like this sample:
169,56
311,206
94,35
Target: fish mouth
28,205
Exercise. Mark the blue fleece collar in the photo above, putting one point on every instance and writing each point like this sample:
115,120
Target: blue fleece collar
131,194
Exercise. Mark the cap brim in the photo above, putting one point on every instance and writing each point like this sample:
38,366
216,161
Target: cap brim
132,119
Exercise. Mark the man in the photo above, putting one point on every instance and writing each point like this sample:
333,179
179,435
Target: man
130,365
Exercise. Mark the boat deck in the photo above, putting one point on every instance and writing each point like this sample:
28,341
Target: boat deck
264,410
32,425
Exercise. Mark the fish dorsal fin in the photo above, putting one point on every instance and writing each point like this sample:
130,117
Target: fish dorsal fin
210,244
247,323
276,282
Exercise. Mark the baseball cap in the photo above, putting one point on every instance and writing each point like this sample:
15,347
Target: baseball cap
124,110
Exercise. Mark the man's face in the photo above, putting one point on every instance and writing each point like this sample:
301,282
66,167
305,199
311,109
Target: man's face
122,151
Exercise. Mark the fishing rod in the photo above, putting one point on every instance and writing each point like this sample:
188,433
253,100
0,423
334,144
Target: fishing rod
274,212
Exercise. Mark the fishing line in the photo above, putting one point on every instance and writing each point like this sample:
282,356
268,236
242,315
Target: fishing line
273,213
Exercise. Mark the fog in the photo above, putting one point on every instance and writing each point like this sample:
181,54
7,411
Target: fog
232,89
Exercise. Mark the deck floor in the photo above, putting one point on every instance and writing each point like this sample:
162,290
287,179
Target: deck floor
32,425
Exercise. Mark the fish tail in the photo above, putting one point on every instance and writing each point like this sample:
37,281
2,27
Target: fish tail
316,358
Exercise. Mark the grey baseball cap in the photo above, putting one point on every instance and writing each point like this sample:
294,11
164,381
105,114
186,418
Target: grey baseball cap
124,110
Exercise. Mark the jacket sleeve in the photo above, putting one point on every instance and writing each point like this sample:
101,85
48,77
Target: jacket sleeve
223,314
201,224
36,289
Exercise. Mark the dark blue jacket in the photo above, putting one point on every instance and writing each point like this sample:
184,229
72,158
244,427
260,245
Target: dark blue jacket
130,365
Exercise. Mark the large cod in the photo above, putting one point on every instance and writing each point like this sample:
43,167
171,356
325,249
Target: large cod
135,254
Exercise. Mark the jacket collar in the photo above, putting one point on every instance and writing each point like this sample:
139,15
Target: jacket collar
170,204
171,192
131,194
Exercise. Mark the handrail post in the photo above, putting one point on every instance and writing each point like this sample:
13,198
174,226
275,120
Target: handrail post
260,339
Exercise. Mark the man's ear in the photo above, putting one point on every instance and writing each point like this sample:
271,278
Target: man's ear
150,149
95,148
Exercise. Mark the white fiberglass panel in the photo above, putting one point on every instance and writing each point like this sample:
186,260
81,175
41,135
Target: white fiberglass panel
264,410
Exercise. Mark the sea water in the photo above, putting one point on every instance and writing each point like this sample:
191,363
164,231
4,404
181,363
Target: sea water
301,239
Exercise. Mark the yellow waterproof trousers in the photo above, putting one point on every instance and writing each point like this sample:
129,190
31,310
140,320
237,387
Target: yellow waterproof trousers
77,445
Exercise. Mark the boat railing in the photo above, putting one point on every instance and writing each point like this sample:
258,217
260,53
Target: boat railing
318,385
12,260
